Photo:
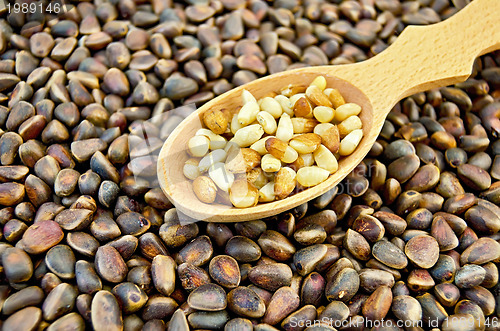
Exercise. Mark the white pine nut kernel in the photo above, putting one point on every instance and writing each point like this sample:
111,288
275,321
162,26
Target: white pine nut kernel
216,141
346,110
219,155
266,193
320,82
198,146
248,113
267,121
190,169
221,177
246,96
243,194
290,155
324,114
349,124
305,143
260,145
204,132
311,176
285,128
235,125
285,104
272,106
270,163
350,142
325,159
248,135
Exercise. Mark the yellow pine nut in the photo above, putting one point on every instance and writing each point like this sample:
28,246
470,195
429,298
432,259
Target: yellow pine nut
290,155
303,125
216,141
221,177
267,121
243,194
346,110
302,108
305,143
216,120
284,182
270,163
205,189
320,82
248,135
285,128
198,146
272,106
285,104
349,124
325,159
324,114
260,145
235,125
330,136
311,176
248,113
350,142
266,193
246,96
190,169
219,155
276,147
335,97
315,94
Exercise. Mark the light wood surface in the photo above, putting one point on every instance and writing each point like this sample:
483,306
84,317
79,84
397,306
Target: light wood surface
422,58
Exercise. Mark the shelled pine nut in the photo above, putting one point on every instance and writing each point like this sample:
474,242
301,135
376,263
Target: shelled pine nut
198,146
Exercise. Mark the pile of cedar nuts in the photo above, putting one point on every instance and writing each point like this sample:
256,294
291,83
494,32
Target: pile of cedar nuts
278,145
411,235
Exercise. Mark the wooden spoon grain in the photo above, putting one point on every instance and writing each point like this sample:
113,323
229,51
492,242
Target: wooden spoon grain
422,58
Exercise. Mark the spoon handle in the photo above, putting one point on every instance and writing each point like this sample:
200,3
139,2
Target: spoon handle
426,57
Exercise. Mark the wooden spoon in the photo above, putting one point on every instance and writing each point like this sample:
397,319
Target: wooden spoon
422,58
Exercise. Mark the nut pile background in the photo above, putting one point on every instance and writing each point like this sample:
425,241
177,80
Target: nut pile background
88,245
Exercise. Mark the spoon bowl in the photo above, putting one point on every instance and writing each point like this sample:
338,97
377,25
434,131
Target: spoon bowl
421,58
